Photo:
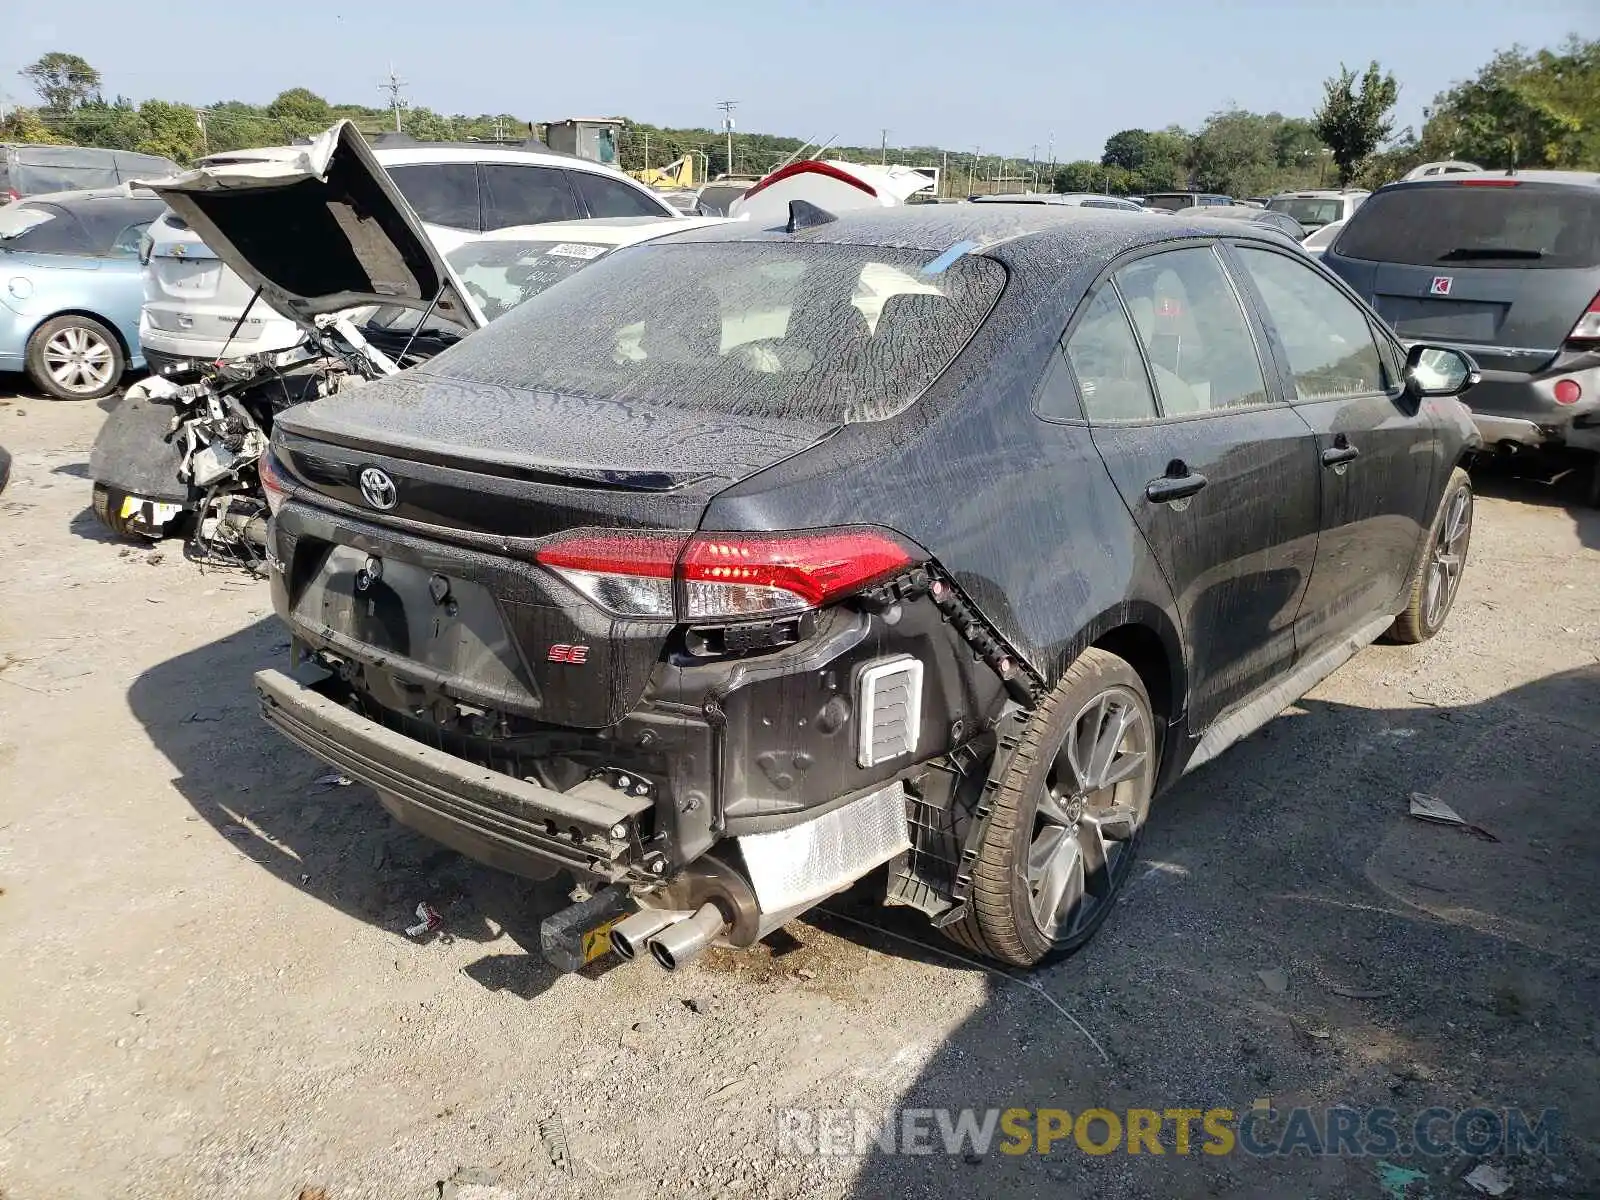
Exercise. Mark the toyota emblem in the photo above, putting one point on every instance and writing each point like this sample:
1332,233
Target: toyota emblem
378,490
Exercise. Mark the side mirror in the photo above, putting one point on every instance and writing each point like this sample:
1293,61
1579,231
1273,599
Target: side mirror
1439,371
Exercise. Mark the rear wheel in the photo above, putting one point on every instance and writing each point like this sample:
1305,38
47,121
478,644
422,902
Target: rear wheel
74,358
1067,816
1437,577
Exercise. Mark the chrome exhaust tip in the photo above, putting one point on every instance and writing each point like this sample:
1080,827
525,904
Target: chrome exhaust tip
682,940
630,935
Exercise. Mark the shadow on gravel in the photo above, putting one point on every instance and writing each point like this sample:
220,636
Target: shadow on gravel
1424,966
277,806
1558,484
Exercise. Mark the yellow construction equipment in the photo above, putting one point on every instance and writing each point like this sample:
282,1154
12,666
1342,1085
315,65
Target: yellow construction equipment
679,173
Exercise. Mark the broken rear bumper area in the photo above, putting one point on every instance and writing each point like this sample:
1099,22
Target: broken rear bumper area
493,817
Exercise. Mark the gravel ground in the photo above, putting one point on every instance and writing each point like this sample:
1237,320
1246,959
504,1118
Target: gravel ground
207,991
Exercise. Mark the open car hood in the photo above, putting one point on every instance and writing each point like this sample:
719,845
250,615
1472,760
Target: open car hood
319,229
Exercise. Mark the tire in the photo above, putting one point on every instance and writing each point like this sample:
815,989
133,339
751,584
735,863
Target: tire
1043,831
108,507
75,357
1447,542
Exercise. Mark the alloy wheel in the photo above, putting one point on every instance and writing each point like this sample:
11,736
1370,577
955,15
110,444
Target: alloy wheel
1094,801
1447,558
79,360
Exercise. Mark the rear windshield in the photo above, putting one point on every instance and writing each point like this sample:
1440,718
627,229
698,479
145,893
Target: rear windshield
1311,212
815,332
1528,225
1172,203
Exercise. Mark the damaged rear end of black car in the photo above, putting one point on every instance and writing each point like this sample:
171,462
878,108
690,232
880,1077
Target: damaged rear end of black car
563,599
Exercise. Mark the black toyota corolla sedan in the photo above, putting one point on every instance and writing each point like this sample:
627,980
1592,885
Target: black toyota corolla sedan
927,544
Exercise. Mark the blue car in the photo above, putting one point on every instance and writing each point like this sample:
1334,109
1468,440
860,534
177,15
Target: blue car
71,287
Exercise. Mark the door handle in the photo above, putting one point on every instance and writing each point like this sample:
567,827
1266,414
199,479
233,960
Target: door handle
1174,487
1339,453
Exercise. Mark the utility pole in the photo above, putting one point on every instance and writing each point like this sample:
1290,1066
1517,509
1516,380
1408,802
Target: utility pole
727,107
972,174
883,150
944,174
393,87
1033,167
199,119
499,129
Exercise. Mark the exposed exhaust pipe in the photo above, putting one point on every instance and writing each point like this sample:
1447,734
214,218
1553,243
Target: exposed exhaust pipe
683,940
629,935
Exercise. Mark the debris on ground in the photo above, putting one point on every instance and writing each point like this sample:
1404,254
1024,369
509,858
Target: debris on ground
1396,1181
428,921
1274,979
1435,810
332,779
1488,1179
554,1137
313,1192
1356,993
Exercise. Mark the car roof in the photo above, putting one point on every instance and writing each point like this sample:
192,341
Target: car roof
1589,179
1014,233
1321,194
605,231
423,153
120,192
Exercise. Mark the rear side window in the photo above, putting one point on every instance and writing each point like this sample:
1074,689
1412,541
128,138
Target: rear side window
442,193
1194,332
613,198
1499,225
514,195
1326,337
1309,211
1106,360
43,229
808,331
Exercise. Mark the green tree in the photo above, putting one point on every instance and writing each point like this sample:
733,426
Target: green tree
114,126
235,125
63,81
24,125
300,112
428,126
1523,110
170,130
1129,149
1080,176
1356,116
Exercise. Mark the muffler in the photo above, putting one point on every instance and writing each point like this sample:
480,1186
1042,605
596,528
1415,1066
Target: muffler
683,940
629,935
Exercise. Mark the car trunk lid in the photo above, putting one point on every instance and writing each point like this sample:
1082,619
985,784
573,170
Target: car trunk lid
480,476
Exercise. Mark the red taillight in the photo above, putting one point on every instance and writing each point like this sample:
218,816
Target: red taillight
1487,182
274,484
1586,333
712,576
1567,391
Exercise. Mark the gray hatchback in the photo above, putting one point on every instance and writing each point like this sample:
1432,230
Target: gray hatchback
1507,268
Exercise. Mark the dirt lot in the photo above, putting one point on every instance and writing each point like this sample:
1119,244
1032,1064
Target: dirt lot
207,991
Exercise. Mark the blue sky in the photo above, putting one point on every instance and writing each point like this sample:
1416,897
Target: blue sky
1003,74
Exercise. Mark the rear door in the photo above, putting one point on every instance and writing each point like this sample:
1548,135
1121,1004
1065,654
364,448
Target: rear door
442,193
526,195
1219,474
1378,450
1500,267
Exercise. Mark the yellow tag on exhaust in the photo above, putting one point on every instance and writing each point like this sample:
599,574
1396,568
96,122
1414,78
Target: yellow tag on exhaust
598,941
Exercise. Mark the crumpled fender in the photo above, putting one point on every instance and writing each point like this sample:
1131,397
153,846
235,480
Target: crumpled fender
132,453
